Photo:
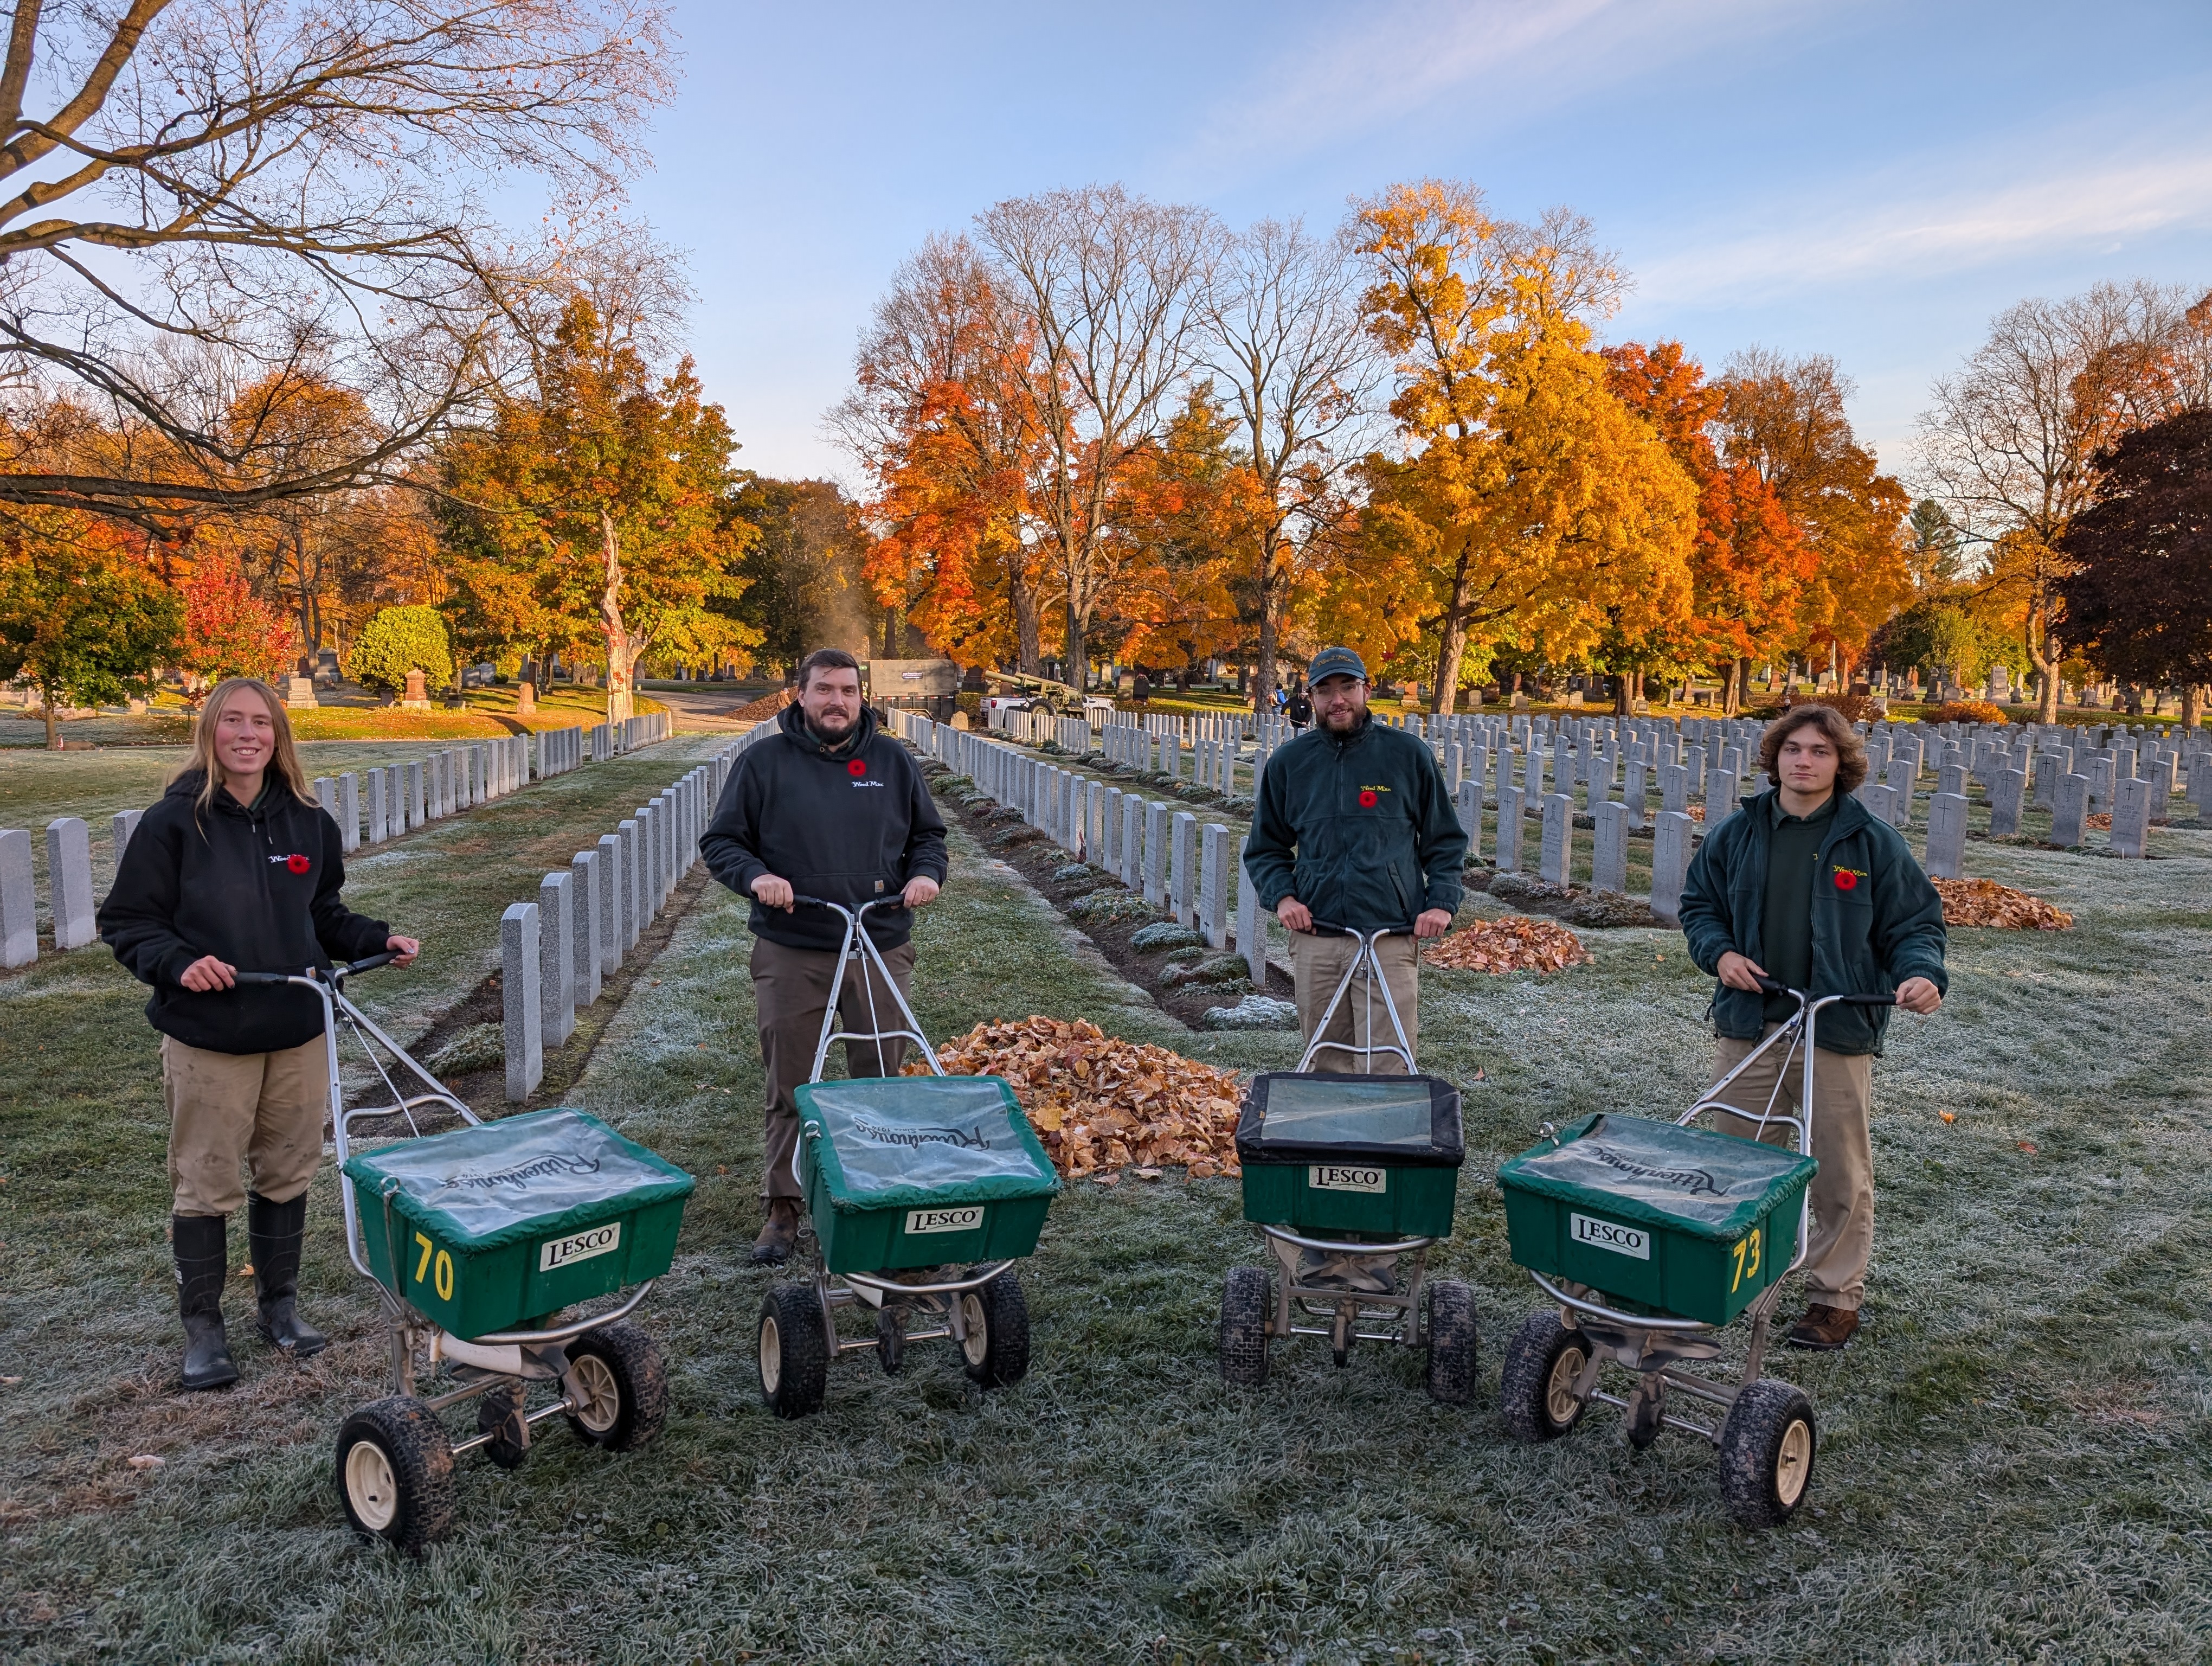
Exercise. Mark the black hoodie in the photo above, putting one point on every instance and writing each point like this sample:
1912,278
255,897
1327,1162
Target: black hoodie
849,822
256,887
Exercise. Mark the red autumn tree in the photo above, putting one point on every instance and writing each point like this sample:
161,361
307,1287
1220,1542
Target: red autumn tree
1752,565
228,630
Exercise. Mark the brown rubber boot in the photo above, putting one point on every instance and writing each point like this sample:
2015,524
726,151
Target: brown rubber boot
773,1247
1825,1329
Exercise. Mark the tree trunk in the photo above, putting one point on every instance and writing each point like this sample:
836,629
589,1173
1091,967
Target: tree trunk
1451,645
1263,681
1028,645
1729,698
1623,702
2046,661
621,664
2192,697
53,726
1078,665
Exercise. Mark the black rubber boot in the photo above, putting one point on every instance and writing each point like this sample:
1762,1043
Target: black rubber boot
201,1265
276,1231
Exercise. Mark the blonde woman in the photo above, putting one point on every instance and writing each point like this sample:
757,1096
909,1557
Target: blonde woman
237,869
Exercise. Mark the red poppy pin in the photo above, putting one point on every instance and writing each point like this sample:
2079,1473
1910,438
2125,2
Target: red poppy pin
1847,879
856,768
297,864
1367,799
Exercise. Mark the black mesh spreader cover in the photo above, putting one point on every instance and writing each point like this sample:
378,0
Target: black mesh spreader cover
1325,1116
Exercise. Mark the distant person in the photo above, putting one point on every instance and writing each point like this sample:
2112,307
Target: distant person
1299,709
833,807
237,869
1806,887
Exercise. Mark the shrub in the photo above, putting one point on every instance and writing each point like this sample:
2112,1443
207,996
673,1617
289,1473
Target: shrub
1968,711
400,639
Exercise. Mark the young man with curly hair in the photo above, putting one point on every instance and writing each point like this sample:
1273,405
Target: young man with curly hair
1808,888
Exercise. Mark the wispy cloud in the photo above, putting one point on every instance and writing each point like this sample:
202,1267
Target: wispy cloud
1501,60
1928,234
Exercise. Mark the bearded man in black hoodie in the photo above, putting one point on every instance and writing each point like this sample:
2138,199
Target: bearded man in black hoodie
830,806
237,870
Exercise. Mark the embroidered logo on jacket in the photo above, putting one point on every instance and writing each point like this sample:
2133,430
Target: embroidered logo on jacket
295,862
1847,879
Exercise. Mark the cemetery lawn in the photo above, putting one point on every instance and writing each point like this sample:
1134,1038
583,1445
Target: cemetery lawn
2013,1459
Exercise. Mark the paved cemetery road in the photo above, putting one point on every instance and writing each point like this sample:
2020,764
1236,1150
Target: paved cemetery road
706,710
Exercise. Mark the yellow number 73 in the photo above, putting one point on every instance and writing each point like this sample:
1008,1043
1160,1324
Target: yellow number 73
1746,1261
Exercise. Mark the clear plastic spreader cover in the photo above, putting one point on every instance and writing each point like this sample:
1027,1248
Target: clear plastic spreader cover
1292,1115
517,1177
904,1141
1660,1172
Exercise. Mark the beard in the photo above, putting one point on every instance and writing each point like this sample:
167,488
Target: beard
831,732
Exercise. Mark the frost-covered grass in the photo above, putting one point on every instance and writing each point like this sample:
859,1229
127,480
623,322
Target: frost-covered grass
2013,1459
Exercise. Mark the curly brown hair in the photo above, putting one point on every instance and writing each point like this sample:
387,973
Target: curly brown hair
1851,751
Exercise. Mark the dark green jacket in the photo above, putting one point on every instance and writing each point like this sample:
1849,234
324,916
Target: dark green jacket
1360,829
1876,921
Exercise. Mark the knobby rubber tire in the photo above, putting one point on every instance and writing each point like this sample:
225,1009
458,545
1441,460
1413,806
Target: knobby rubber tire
640,1379
1452,1342
1245,1300
1753,1441
1006,1358
421,1456
1524,1394
803,1374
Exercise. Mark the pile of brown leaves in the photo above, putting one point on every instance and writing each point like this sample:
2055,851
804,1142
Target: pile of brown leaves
767,705
1511,942
1986,902
1101,1105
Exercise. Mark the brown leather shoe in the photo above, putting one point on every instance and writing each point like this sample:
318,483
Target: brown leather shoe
773,1247
1825,1329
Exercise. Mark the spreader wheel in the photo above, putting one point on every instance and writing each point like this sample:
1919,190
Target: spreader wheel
1450,1374
1245,1301
794,1356
1767,1447
624,1385
395,1473
1543,1362
996,1317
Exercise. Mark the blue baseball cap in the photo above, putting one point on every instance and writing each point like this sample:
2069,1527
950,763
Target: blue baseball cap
1335,662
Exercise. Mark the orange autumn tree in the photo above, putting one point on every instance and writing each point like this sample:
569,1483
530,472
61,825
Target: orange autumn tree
1786,418
1528,507
942,420
1185,510
1751,566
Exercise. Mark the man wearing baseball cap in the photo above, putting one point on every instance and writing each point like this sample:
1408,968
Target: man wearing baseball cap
1354,827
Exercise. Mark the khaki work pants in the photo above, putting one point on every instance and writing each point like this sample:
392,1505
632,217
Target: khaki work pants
791,992
1317,966
265,1111
1843,1145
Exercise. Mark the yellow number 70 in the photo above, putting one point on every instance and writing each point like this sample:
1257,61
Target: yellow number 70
1746,1261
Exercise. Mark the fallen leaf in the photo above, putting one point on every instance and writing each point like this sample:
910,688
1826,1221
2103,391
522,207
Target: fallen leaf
147,1460
1950,1116
2027,1146
245,1272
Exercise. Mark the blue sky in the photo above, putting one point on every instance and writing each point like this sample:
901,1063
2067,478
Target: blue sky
1872,180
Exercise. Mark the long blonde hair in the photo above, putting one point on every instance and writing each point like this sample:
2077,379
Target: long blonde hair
285,763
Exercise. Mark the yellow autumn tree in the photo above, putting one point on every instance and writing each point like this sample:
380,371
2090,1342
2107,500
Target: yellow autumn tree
1527,505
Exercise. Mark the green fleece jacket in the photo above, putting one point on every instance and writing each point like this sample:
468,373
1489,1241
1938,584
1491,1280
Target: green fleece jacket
1360,828
1876,921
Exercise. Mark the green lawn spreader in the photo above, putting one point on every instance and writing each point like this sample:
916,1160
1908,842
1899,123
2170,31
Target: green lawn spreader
1652,1237
480,1238
922,1191
1344,1173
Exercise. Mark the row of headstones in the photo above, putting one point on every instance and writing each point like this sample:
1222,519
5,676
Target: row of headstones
1165,854
397,798
556,952
1214,757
